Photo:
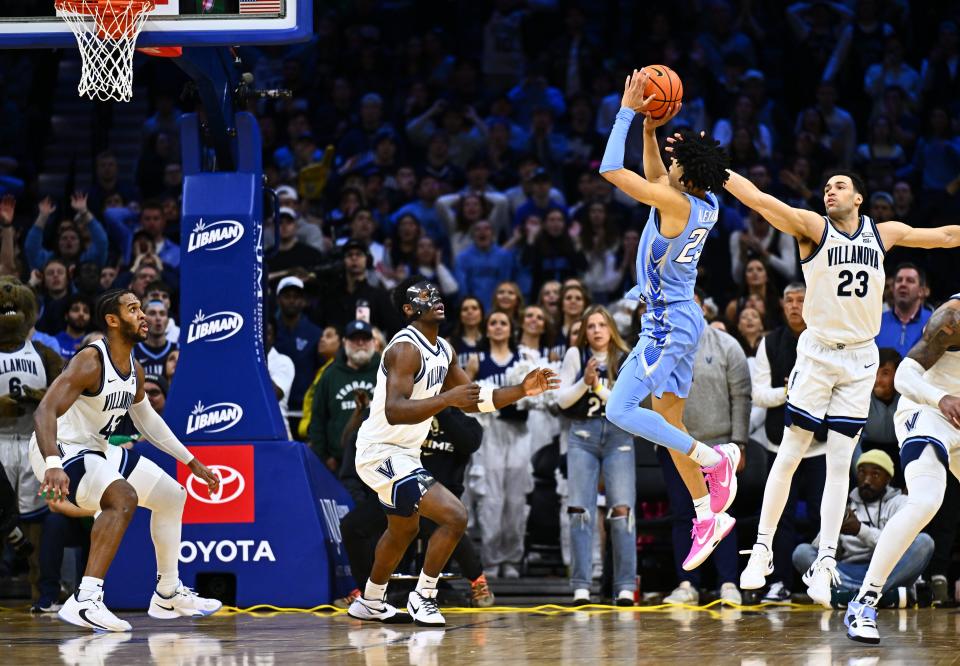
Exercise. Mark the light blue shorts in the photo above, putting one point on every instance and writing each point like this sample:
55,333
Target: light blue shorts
663,359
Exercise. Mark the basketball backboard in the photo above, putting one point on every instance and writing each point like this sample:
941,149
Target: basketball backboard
35,24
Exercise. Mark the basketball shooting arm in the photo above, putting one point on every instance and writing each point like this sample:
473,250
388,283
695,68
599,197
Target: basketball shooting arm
940,334
654,190
898,233
152,426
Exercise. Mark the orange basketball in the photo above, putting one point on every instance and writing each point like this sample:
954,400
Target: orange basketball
665,86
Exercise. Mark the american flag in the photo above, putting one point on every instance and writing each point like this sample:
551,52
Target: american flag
260,6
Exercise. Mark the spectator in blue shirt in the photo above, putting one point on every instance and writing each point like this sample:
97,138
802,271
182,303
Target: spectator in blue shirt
77,325
902,325
69,245
539,202
532,92
424,209
483,265
154,224
297,337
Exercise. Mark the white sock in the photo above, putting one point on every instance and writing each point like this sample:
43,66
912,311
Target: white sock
426,583
702,506
89,588
167,583
374,592
765,538
926,482
833,506
704,455
777,491
827,552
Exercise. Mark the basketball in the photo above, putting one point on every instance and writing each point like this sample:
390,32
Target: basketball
666,87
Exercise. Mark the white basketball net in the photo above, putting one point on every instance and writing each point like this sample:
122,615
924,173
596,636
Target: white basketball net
106,32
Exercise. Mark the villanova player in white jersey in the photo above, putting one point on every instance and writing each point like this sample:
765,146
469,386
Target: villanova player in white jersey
684,210
842,257
419,376
70,452
928,428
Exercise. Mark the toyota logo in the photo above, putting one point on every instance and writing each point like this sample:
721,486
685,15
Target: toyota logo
229,478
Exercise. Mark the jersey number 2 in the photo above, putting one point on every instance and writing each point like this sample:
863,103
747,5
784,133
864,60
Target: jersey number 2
691,251
846,279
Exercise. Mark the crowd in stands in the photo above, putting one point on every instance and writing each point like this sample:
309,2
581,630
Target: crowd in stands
463,146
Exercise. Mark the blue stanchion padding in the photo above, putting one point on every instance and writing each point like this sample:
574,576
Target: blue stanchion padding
284,547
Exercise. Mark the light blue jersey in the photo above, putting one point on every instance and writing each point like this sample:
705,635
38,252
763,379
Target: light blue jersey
667,267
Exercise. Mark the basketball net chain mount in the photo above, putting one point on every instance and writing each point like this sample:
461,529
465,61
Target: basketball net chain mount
106,32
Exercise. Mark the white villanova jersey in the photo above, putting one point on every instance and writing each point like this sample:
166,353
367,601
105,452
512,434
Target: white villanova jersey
94,416
945,373
434,363
20,369
845,281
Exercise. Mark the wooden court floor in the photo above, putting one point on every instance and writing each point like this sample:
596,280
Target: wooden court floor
786,636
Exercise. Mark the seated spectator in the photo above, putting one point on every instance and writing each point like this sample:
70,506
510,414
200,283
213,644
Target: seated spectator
549,146
354,369
107,182
553,255
77,318
281,370
296,337
599,242
292,253
892,71
307,231
549,300
744,116
153,223
425,210
879,432
155,387
352,285
722,396
460,211
749,331
437,163
540,201
871,505
70,247
801,191
363,228
427,264
759,239
535,92
879,157
881,206
359,138
587,377
532,187
507,298
483,264
467,335
159,291
327,348
53,287
402,247
758,289
152,353
574,300
902,325
465,130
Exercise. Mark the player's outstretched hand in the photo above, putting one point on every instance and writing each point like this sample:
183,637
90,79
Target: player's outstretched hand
201,471
55,485
464,396
950,406
540,380
633,91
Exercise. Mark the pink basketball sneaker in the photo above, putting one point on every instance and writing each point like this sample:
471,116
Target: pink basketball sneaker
722,477
707,534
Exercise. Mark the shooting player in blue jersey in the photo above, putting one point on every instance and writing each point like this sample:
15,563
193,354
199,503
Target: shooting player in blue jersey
684,210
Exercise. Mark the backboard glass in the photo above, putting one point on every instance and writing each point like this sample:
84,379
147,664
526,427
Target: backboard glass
34,23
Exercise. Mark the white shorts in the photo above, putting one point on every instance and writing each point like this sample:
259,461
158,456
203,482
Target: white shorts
831,383
395,474
920,425
91,471
15,458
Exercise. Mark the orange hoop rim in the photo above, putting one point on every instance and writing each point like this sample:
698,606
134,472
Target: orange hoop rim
114,18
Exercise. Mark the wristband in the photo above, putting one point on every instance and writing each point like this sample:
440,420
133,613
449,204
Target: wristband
53,462
486,399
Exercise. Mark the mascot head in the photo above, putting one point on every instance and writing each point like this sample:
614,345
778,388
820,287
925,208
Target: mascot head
18,310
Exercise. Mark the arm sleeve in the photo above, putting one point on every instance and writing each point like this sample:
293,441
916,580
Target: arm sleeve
764,394
738,384
156,430
571,389
616,144
909,382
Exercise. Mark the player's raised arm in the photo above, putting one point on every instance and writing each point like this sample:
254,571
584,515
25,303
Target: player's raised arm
799,223
898,233
940,333
84,373
653,190
491,399
152,426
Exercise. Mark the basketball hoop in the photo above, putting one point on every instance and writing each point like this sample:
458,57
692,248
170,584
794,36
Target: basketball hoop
106,43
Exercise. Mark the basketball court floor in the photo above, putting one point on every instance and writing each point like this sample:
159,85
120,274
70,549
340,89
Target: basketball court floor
798,635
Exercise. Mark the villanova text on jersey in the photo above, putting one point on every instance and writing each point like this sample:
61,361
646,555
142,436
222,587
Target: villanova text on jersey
436,376
118,400
853,254
18,364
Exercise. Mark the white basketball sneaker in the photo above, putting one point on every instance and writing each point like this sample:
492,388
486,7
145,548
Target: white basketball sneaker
758,568
861,620
182,603
92,614
377,610
424,610
820,578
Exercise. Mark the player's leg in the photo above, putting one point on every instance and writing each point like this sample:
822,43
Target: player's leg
926,480
709,527
445,509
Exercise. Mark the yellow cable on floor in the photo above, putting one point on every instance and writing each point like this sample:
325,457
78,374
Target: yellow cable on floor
546,609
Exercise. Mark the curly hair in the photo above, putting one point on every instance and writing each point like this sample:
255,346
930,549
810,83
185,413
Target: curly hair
704,162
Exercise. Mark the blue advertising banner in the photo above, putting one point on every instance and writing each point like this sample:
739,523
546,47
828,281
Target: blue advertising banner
274,525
